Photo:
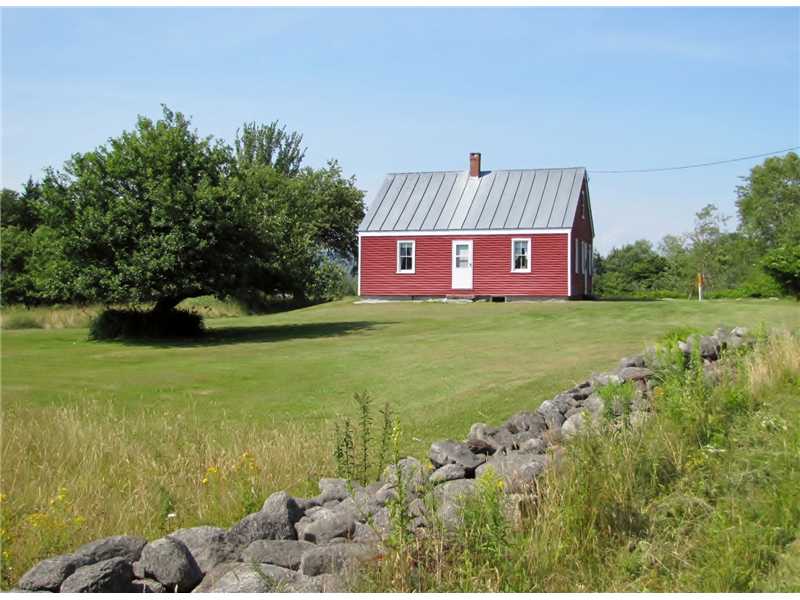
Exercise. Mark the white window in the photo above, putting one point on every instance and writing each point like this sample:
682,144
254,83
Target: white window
521,255
576,258
591,259
406,259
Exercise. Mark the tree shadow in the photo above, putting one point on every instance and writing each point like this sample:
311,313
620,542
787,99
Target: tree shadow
258,334
628,299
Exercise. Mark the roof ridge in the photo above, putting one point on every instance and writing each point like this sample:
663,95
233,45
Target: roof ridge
486,171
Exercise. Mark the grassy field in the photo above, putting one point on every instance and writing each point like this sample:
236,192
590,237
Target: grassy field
111,437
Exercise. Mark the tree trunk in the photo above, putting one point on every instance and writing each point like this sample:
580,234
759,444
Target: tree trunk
168,303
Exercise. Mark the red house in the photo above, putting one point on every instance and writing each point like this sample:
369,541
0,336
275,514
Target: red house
511,234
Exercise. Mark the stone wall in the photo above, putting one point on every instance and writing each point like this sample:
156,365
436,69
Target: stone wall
312,544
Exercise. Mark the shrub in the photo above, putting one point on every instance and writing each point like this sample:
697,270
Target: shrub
114,324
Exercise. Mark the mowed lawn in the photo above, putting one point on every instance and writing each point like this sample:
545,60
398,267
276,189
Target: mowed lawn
106,438
442,366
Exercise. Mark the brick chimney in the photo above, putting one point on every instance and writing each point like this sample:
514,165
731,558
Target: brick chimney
474,164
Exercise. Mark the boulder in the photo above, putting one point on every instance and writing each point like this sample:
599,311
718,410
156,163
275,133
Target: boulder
111,575
572,425
535,445
336,558
635,373
631,361
450,452
118,546
551,414
325,583
208,545
168,561
517,469
480,440
411,471
147,586
283,553
247,577
328,525
603,379
526,422
449,500
332,489
594,404
275,521
385,494
447,473
49,574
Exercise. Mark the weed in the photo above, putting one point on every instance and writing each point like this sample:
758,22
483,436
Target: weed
358,454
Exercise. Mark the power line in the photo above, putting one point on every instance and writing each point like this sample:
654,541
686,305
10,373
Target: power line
696,165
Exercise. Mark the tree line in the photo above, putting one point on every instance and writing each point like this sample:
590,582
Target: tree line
759,258
160,214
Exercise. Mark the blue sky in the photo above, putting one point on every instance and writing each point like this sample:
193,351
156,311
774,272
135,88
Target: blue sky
395,89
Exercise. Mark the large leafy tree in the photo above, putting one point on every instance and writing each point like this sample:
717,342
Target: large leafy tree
635,267
148,217
769,202
769,210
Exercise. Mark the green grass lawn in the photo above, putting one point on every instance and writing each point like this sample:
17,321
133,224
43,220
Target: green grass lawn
104,438
442,366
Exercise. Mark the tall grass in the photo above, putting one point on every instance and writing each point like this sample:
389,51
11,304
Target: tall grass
704,496
68,316
73,474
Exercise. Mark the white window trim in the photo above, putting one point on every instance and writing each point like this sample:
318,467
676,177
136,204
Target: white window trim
530,254
577,257
413,268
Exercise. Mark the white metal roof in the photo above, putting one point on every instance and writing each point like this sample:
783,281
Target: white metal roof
454,201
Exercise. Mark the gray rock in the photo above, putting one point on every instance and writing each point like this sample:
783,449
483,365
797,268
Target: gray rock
551,414
412,474
247,577
364,533
385,494
111,575
740,332
603,379
526,422
480,439
275,521
518,469
332,524
147,586
635,373
594,404
118,546
337,558
325,583
283,553
534,445
208,545
215,575
572,425
49,574
447,473
631,361
332,489
168,561
450,452
449,500
709,347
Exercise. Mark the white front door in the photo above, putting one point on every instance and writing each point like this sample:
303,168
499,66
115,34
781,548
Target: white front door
462,264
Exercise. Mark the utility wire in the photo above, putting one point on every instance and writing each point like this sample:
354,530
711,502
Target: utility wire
696,165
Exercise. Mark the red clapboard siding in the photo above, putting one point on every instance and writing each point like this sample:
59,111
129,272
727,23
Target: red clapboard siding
581,230
491,261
